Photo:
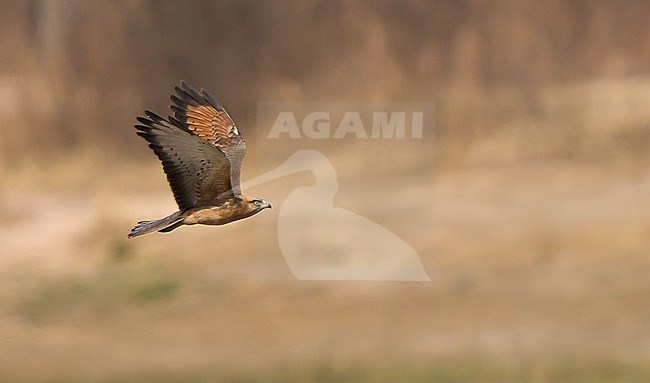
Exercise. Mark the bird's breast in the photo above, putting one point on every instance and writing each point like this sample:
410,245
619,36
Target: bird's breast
213,215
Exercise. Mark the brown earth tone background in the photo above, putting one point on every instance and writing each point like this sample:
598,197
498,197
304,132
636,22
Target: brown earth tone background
539,191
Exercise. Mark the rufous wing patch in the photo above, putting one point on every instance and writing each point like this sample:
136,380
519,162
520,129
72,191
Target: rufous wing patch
208,123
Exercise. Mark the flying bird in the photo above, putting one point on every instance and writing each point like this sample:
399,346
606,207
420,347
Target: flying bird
201,151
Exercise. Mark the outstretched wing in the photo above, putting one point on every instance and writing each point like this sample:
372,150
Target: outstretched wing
200,114
197,171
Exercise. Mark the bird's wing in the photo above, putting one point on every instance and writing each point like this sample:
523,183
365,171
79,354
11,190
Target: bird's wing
200,114
197,171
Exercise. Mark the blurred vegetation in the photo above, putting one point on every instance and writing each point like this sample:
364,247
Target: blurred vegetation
465,371
62,296
79,72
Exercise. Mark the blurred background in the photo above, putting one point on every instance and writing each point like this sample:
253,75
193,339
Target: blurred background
539,183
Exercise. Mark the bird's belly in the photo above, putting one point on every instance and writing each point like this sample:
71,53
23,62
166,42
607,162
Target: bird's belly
207,216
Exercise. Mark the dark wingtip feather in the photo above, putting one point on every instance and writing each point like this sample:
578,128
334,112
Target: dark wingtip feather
174,121
156,117
187,93
182,103
176,109
211,101
187,87
144,120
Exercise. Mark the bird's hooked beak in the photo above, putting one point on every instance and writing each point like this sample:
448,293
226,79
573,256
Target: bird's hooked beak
267,205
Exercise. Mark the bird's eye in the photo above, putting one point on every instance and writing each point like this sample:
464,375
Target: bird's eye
257,203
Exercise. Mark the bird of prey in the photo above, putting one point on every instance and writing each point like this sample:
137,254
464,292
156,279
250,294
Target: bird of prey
201,151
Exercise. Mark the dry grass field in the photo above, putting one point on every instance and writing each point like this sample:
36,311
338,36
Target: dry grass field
534,227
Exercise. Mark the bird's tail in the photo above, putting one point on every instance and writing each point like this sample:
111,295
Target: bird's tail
166,224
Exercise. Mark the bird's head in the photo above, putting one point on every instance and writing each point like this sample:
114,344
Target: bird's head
254,204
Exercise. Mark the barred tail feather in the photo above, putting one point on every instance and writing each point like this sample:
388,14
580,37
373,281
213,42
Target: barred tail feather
164,225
